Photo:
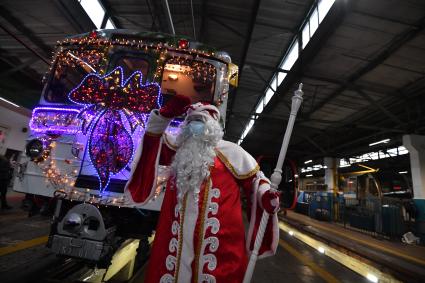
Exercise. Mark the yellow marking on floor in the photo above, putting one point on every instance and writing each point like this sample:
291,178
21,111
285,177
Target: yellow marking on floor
356,265
23,245
320,271
373,245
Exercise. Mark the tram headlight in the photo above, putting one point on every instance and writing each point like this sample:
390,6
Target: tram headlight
34,149
73,222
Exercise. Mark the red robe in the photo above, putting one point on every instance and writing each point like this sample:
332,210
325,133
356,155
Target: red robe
203,241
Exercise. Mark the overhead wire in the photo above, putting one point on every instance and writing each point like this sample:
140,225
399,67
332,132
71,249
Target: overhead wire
193,20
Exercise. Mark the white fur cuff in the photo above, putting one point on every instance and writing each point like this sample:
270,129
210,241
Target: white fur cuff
261,190
157,123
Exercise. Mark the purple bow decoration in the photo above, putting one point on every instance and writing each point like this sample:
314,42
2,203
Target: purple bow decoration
110,102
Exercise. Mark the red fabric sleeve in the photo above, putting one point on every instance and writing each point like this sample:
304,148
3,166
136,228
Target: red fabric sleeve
254,212
142,181
166,156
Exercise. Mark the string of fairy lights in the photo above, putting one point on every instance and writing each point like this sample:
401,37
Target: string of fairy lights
61,177
92,50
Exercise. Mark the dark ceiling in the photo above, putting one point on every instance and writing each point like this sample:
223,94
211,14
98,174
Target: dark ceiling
363,70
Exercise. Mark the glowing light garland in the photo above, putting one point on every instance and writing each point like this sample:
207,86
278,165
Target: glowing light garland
198,71
112,91
54,120
92,49
107,99
47,163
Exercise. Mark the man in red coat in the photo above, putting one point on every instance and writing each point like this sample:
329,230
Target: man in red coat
200,235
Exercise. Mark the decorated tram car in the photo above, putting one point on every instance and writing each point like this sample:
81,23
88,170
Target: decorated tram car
95,103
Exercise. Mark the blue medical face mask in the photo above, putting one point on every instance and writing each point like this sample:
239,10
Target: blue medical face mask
197,128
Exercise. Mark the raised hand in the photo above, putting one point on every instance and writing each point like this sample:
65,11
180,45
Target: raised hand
175,107
270,201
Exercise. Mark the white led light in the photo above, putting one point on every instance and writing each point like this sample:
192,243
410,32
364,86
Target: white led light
321,250
309,175
7,101
372,278
402,172
308,161
378,142
291,233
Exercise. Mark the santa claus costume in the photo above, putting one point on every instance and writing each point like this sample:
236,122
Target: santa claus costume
200,236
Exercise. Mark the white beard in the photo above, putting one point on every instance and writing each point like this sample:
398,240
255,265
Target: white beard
194,157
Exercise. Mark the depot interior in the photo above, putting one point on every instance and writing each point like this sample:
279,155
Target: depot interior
356,156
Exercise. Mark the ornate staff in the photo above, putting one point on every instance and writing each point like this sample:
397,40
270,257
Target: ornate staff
275,180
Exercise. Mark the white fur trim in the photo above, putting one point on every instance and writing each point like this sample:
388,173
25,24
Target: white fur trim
237,160
262,189
170,141
275,237
188,251
254,203
206,254
157,123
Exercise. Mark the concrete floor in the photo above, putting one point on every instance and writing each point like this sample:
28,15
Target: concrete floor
294,261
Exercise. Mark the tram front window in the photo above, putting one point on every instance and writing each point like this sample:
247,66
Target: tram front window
69,70
191,78
131,62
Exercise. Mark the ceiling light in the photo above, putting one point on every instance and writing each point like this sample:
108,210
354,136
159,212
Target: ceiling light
7,101
321,250
110,25
94,10
378,142
403,172
308,161
291,233
309,175
260,107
